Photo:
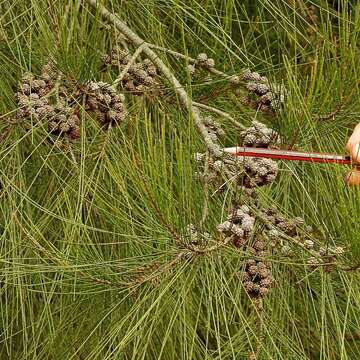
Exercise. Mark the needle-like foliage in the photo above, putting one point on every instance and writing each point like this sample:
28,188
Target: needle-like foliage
111,244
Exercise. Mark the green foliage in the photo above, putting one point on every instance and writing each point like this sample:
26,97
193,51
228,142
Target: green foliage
83,225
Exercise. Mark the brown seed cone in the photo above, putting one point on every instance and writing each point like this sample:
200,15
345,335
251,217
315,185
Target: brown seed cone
75,133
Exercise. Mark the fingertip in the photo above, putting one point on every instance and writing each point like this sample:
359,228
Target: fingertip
355,152
348,146
354,138
353,178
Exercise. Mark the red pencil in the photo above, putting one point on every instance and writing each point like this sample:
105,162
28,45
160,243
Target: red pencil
289,155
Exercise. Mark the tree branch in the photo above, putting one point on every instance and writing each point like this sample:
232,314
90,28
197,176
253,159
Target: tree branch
184,98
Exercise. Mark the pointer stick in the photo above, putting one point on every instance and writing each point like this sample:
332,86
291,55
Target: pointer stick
289,155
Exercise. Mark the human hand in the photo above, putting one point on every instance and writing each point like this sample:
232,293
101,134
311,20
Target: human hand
353,147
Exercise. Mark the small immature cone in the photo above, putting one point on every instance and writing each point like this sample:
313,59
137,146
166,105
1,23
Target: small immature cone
353,147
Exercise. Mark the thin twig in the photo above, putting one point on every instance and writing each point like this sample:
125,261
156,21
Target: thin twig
208,249
128,65
188,253
324,117
221,113
191,61
122,40
259,304
174,53
161,270
338,109
73,156
205,211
